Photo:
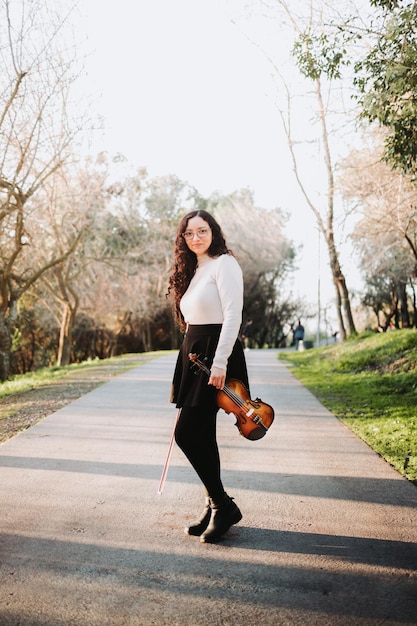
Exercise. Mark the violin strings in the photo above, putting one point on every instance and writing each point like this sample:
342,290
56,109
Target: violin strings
233,396
229,392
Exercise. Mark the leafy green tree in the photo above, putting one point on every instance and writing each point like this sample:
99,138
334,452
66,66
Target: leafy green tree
381,47
387,80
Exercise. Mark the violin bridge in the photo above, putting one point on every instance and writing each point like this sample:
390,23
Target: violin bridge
257,419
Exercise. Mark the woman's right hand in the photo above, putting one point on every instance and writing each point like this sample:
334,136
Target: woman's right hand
217,377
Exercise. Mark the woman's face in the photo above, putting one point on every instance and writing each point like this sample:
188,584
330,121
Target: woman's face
198,235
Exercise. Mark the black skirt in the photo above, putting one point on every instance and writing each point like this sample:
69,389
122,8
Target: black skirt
190,385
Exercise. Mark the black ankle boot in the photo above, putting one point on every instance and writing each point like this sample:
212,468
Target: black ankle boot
200,525
223,515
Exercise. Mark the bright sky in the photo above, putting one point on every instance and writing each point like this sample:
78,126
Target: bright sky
183,91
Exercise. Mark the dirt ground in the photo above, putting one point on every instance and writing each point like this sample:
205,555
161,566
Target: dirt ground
22,410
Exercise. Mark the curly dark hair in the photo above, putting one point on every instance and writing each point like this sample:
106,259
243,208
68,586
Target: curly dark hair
185,260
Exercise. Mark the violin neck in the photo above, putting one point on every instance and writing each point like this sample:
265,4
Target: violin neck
227,390
202,366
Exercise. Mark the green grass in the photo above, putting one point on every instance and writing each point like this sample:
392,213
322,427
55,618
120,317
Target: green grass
47,375
370,383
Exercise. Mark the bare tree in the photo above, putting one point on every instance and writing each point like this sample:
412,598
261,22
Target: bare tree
257,238
36,134
256,234
134,254
384,199
386,233
319,60
76,198
325,216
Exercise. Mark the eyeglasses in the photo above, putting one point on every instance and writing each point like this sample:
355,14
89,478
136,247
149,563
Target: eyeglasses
200,232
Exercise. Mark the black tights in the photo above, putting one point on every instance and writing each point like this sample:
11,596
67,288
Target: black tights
195,434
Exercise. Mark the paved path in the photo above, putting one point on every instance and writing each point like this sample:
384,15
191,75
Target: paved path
328,535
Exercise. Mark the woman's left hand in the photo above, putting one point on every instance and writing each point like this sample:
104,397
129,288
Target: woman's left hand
217,377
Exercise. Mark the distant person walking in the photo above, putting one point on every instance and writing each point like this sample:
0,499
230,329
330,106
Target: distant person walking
298,334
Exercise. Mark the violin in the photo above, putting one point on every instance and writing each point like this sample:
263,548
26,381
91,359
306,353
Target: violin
253,417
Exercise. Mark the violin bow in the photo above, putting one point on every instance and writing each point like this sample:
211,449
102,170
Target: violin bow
169,454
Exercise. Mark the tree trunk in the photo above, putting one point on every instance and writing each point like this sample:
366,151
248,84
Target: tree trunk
403,304
414,324
65,335
5,348
146,334
70,303
342,329
346,323
325,219
346,308
7,321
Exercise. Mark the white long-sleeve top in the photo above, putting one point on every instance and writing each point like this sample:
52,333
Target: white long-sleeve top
215,296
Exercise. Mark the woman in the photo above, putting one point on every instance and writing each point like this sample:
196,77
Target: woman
207,289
